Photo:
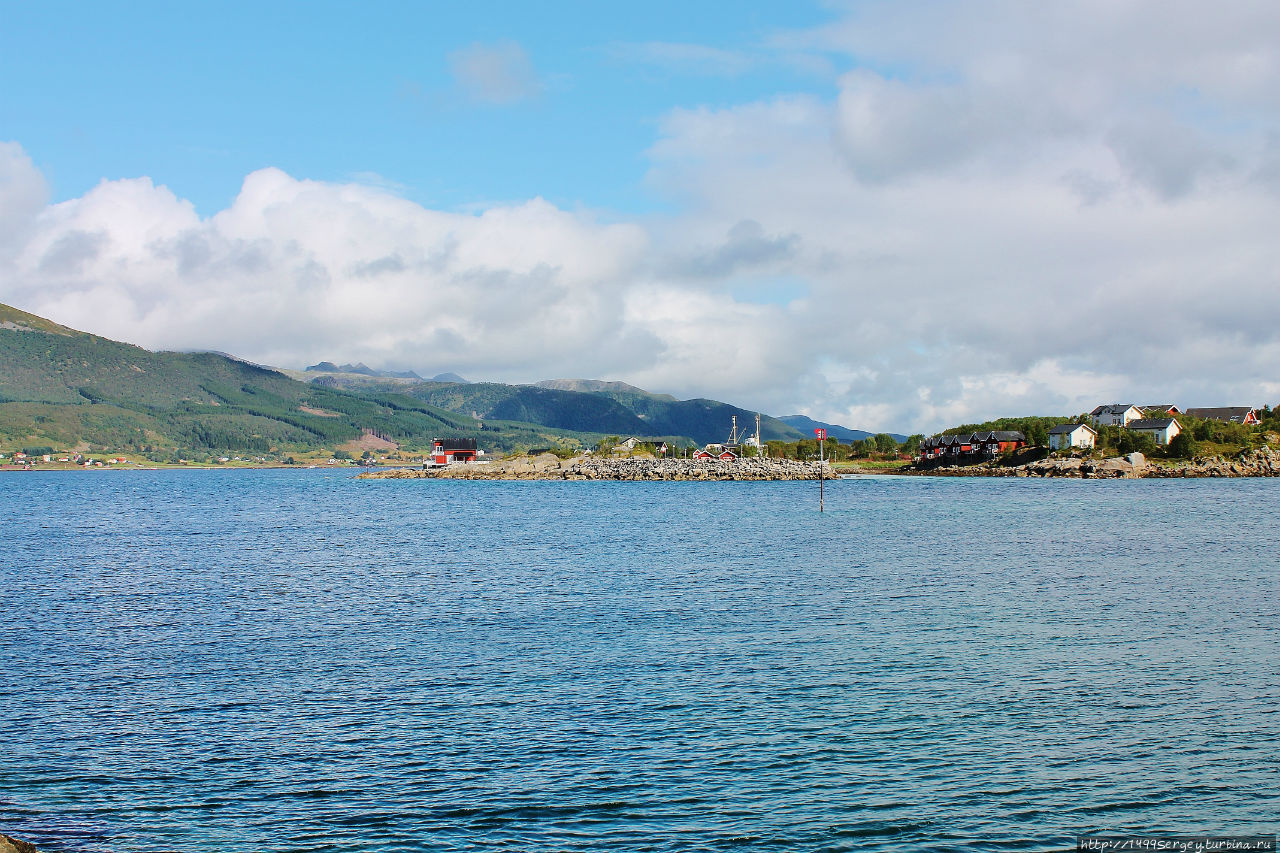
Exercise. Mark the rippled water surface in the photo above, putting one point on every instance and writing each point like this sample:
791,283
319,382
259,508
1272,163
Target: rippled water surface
301,661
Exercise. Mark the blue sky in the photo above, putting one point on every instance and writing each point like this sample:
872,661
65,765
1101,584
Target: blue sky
889,214
199,95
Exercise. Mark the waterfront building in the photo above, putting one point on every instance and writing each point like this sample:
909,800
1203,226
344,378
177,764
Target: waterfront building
446,450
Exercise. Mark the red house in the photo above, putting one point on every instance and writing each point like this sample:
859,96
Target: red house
446,450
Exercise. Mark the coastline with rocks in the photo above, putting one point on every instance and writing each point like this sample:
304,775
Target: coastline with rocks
9,844
1263,462
550,467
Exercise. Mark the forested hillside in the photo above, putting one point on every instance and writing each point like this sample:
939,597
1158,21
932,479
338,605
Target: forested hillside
67,389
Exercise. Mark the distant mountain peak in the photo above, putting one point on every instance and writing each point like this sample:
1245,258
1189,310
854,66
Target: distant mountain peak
361,369
450,377
590,385
807,425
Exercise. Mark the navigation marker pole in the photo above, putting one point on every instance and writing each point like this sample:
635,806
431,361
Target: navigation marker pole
822,463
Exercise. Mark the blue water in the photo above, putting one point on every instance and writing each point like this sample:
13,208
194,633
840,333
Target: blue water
301,661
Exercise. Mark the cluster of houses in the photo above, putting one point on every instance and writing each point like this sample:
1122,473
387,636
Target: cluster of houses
30,460
975,445
1160,422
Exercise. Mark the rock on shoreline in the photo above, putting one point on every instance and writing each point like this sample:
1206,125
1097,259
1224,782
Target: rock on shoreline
550,467
1263,462
9,844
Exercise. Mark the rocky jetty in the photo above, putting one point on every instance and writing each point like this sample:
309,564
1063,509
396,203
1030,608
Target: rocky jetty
550,467
1263,462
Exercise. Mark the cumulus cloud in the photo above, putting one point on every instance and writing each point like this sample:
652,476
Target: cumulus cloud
295,271
497,73
1035,209
23,193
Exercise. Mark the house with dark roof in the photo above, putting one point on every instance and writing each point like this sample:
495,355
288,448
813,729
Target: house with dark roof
973,447
1227,414
1115,414
1162,430
1159,410
1072,435
993,442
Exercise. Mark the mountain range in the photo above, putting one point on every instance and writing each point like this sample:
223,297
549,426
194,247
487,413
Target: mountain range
807,425
68,389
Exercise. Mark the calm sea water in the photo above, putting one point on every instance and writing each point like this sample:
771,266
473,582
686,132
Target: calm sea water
301,661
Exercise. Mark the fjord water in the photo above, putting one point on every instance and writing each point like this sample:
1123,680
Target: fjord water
302,661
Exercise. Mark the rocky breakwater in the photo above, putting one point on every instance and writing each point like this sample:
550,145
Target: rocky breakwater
1263,462
549,467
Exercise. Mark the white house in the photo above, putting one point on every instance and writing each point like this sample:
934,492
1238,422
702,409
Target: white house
1072,435
1116,414
1161,429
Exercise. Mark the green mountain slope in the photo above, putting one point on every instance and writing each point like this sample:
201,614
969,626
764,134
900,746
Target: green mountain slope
807,425
569,410
68,389
614,411
64,388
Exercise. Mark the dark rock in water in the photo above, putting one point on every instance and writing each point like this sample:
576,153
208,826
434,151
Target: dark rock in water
9,844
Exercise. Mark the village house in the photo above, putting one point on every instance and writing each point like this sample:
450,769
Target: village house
1116,414
446,450
997,441
1227,414
1162,430
1160,410
974,446
1072,435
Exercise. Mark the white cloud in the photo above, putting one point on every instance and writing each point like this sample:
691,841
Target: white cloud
497,73
295,271
23,193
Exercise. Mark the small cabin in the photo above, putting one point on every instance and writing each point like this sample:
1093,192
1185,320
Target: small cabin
447,450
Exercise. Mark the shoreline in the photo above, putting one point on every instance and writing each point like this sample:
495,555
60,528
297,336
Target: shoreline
1263,462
